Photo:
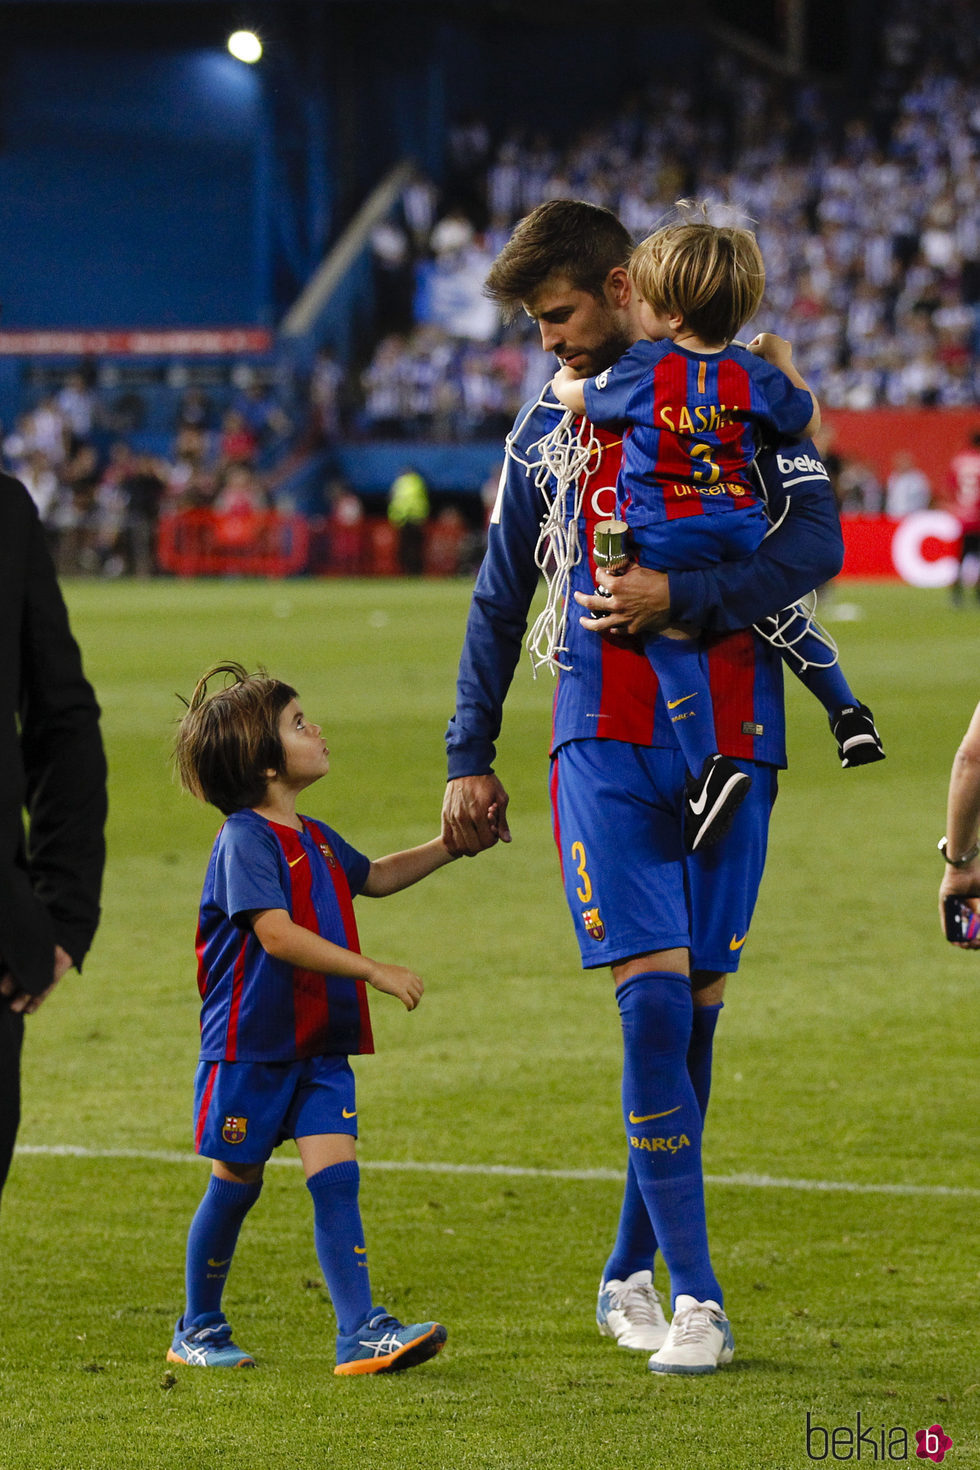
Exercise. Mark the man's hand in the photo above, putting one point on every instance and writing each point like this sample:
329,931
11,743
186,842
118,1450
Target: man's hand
640,602
474,814
21,1000
965,884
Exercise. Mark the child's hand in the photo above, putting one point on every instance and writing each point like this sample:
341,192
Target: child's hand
569,389
396,980
493,823
561,384
772,349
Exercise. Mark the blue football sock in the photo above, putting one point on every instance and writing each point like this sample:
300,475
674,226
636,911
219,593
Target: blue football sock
663,1125
826,682
687,695
339,1241
211,1243
699,1052
635,1247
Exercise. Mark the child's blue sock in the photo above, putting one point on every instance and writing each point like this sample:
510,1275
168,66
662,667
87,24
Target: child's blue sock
699,1052
339,1241
827,682
663,1125
635,1247
211,1243
687,695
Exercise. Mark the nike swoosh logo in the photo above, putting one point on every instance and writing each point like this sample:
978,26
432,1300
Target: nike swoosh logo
294,861
218,1263
673,703
360,1250
697,807
735,943
346,1114
648,1117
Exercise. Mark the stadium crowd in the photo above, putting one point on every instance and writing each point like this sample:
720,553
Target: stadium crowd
868,213
100,495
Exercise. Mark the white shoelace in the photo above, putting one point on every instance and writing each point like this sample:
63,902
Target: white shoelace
693,1325
640,1304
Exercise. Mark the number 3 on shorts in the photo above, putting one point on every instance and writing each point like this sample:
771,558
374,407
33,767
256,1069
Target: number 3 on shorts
578,858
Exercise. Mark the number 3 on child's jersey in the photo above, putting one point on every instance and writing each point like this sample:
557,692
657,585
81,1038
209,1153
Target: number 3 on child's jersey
578,857
709,474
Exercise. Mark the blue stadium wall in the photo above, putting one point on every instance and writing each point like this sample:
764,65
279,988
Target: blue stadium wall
143,187
128,191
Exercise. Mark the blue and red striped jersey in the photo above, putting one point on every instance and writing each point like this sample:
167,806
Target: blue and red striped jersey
610,689
691,423
255,1008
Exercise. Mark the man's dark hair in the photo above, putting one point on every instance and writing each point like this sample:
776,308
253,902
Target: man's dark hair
563,237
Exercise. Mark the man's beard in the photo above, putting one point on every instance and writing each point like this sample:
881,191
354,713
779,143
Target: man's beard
606,353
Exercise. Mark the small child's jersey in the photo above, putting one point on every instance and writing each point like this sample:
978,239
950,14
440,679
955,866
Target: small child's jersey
256,1008
610,690
692,423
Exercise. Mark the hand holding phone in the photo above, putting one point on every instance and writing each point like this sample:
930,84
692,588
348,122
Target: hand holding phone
961,922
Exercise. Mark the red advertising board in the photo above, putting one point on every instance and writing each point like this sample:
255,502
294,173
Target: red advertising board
931,435
922,549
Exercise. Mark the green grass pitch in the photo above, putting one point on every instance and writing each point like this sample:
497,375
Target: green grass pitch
846,1056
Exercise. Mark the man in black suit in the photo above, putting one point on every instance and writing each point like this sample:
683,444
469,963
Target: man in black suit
52,764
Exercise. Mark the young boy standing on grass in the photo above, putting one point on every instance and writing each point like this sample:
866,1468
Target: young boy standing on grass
284,1004
693,404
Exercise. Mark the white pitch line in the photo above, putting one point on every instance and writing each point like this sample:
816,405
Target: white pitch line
514,1171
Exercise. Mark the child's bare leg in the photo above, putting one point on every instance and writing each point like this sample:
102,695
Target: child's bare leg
323,1150
237,1173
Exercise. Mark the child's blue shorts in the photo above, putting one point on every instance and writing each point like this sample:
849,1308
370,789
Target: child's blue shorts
243,1110
700,541
631,887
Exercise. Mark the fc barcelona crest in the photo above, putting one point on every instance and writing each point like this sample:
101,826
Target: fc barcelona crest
593,923
234,1130
331,860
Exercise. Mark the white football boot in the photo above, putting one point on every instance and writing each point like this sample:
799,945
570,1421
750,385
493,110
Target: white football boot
699,1340
630,1311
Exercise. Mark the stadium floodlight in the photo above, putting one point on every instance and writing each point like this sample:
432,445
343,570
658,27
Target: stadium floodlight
246,46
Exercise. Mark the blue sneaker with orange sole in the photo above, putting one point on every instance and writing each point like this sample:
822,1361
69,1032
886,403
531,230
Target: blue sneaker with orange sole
382,1344
207,1343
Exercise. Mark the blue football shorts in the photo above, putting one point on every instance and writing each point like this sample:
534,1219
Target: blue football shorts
630,885
700,541
243,1110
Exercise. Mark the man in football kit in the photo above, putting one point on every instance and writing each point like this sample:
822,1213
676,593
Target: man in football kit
670,924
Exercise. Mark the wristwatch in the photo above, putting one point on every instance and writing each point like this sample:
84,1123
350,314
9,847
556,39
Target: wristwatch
959,862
